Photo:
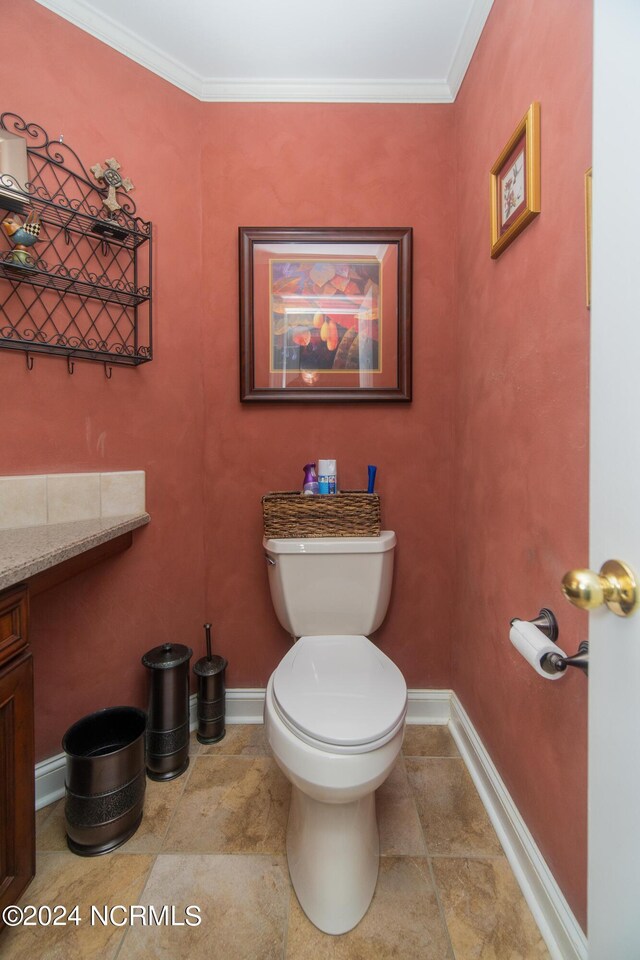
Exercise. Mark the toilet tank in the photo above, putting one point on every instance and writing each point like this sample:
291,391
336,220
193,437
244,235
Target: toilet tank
330,585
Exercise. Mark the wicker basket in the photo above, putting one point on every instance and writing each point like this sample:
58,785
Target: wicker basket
352,513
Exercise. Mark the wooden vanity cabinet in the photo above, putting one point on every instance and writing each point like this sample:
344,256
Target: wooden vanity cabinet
17,756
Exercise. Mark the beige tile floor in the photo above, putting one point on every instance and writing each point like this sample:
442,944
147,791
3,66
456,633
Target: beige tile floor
215,838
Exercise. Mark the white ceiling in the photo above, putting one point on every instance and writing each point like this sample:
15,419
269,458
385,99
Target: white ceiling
414,51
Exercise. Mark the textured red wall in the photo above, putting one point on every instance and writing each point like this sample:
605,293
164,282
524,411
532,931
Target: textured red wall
521,418
88,635
487,467
290,165
330,165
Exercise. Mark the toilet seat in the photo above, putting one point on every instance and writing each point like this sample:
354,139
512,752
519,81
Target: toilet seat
340,693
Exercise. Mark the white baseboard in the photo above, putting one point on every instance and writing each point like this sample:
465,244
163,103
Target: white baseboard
242,705
429,706
50,780
560,929
558,926
247,705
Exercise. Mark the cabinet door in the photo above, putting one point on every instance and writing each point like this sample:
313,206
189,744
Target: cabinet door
14,616
17,755
17,801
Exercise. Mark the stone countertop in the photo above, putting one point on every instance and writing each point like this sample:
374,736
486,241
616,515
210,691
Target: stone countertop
25,551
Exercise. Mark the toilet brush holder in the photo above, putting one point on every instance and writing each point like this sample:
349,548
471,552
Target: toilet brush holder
210,671
167,753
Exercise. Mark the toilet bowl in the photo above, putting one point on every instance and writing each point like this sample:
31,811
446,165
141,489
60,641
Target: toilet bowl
334,717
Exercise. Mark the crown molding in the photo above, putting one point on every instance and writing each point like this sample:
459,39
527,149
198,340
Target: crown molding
221,90
468,42
325,91
126,42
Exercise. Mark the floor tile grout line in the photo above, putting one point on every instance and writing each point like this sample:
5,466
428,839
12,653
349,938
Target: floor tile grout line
476,854
468,856
246,755
424,756
414,793
285,939
192,766
177,804
120,945
279,853
195,853
446,856
140,895
231,787
252,760
39,831
436,889
415,805
441,910
50,807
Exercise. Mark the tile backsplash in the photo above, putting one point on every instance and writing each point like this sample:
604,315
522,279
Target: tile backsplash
63,497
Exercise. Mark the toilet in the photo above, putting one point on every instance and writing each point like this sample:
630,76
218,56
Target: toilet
334,715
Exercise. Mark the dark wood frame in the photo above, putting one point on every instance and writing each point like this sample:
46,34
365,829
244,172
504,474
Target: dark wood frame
401,237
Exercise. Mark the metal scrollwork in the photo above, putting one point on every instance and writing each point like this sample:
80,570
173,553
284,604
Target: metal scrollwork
87,292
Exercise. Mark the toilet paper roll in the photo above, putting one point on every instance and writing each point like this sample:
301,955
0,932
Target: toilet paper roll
534,647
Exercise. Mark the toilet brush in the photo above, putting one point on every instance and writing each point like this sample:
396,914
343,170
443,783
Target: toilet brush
210,672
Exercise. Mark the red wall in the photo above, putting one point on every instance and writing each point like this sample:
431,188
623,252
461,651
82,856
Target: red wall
89,634
483,476
521,473
286,164
330,165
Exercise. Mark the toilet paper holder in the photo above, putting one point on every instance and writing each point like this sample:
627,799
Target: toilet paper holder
546,622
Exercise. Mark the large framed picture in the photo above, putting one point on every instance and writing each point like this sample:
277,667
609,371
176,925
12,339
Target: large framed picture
515,183
325,313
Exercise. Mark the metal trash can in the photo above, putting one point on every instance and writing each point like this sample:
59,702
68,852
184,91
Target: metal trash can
211,694
105,779
168,715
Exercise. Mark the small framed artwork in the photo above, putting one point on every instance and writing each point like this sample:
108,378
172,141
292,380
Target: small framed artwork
588,185
325,313
515,183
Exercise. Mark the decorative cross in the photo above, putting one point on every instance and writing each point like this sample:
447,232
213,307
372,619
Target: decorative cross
113,180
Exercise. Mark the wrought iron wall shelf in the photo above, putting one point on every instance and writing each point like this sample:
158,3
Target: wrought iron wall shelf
83,289
61,279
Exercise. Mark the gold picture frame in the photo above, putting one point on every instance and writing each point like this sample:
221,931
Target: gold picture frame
588,187
515,183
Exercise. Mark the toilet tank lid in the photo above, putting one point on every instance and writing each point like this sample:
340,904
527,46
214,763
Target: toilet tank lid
386,541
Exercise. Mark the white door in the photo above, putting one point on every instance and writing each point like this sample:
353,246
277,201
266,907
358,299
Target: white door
614,679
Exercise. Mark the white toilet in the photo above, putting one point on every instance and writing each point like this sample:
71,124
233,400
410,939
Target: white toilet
334,716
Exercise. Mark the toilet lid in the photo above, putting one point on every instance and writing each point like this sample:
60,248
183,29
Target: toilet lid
340,690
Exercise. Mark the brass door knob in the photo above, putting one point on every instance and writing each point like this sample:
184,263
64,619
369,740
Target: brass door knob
615,585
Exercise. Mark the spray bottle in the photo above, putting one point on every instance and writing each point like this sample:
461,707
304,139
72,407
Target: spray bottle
310,484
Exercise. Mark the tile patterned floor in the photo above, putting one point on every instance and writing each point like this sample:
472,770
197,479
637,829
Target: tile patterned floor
215,837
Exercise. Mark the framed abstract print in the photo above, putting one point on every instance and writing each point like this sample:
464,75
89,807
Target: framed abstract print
325,313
